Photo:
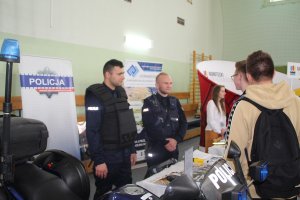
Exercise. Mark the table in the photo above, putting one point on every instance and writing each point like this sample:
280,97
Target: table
218,150
158,189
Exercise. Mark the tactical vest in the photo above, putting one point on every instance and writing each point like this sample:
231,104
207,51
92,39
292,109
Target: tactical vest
168,117
118,129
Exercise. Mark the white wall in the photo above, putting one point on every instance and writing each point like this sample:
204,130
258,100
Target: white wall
249,25
103,24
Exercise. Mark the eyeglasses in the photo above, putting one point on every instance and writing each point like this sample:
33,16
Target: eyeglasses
233,76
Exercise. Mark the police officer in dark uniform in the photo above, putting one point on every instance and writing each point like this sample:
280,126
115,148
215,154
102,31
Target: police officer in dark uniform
111,130
164,122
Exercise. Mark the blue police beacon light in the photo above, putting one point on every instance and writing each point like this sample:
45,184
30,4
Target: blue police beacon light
10,51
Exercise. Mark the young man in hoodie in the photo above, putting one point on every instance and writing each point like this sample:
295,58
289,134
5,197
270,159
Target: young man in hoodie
261,89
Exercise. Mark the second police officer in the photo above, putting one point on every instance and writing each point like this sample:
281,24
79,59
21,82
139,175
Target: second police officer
164,122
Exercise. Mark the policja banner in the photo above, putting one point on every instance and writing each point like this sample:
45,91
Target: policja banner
47,90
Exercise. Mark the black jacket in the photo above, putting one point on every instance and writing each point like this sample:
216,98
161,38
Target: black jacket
163,118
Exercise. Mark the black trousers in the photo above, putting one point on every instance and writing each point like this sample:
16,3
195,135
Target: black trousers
118,176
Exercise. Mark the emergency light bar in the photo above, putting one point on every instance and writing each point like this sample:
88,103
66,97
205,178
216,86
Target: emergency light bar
10,51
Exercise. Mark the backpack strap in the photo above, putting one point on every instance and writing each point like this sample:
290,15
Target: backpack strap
258,106
255,137
262,108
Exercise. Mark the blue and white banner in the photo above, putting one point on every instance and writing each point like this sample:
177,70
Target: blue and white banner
140,83
47,90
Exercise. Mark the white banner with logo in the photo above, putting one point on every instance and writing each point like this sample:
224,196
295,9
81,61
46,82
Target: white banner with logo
47,90
293,70
140,83
219,71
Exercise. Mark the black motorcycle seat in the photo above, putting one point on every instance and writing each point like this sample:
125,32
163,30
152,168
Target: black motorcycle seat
35,184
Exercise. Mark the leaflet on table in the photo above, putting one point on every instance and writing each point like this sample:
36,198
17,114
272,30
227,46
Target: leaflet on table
158,182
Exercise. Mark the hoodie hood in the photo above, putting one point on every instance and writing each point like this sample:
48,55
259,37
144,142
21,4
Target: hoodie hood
271,96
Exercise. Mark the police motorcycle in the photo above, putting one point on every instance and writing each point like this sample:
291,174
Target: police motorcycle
218,182
53,174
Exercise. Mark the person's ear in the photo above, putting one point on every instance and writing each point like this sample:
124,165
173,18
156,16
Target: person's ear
249,78
107,74
240,76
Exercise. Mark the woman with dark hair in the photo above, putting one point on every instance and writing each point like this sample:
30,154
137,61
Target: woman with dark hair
216,116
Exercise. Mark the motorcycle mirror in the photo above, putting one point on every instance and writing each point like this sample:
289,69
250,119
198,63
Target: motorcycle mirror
234,151
182,187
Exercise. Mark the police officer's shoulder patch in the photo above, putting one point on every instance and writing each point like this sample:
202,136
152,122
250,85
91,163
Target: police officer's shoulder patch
145,109
93,108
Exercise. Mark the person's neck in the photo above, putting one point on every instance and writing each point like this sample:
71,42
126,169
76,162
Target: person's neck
163,95
262,82
109,85
243,87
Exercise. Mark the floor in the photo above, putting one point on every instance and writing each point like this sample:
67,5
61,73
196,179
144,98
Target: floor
139,171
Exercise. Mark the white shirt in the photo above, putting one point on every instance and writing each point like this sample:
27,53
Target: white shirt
215,120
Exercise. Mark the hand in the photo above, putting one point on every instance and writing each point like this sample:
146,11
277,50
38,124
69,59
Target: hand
223,130
171,145
101,171
133,158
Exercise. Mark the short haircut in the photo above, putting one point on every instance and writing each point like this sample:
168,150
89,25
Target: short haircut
260,66
240,66
160,74
109,65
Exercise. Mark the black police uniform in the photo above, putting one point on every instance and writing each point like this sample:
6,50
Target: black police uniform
162,118
111,129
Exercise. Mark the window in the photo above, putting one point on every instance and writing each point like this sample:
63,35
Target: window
279,2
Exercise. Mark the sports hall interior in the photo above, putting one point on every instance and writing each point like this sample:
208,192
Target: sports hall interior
182,33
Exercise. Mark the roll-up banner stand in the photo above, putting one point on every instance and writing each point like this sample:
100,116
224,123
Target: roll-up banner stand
47,90
140,83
